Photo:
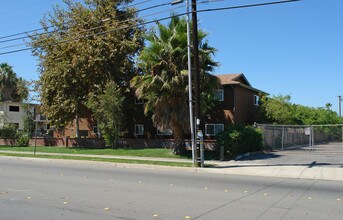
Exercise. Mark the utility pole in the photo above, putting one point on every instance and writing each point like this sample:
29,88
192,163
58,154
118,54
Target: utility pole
190,87
198,132
340,105
196,60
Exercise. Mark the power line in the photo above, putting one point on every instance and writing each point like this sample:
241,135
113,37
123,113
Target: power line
98,27
248,6
38,34
157,20
140,10
39,29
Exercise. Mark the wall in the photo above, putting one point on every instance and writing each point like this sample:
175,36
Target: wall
47,142
13,117
126,143
245,108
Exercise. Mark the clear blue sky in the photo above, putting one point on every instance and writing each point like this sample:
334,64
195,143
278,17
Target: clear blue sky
289,49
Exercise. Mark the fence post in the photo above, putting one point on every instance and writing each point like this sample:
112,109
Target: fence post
282,137
312,139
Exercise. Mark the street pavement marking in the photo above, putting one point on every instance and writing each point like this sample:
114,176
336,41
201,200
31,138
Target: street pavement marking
266,194
29,197
309,198
226,190
246,191
139,181
65,202
106,209
206,188
171,185
85,177
188,217
155,215
338,199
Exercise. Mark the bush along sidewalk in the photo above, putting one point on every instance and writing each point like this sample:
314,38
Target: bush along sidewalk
239,139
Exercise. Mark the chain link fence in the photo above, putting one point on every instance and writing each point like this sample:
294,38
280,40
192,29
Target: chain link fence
303,137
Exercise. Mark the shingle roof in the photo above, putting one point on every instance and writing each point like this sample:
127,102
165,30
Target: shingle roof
229,79
237,79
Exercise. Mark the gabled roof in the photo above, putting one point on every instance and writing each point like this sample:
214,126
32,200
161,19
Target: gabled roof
230,79
237,79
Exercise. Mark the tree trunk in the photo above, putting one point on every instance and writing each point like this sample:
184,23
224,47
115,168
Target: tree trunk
77,127
178,147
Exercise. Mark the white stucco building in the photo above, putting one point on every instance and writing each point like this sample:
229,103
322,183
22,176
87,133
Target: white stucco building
13,113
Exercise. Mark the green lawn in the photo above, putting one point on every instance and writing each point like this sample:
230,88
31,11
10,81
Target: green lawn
154,152
111,160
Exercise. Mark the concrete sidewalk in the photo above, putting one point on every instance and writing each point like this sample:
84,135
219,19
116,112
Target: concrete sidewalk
287,164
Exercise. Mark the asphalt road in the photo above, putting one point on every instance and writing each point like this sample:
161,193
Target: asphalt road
50,189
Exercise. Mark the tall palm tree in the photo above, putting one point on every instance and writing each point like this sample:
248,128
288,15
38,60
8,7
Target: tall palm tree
12,88
164,82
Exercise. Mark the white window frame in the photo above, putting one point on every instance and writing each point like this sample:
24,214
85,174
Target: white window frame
165,133
214,129
221,98
139,101
95,127
256,100
140,128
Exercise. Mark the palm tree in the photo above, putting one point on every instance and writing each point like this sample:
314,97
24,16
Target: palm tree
164,84
12,88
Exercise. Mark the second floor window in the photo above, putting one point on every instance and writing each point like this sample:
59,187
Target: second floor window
219,95
95,129
256,99
14,108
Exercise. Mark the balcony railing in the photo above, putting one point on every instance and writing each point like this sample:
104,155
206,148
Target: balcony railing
40,117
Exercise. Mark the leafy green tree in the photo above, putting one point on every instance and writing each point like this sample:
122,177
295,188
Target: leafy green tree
28,120
164,84
12,87
108,111
84,46
280,110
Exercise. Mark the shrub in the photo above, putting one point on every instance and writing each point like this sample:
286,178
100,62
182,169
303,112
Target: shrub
239,139
8,131
22,139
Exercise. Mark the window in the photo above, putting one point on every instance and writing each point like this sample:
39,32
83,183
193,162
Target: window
213,129
139,101
95,129
14,108
256,99
166,132
139,129
219,95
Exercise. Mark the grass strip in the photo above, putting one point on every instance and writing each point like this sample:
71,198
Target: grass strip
150,152
111,160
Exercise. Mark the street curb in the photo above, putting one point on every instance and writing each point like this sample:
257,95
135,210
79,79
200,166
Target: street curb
313,173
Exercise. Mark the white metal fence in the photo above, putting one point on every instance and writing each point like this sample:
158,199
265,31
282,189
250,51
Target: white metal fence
328,138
